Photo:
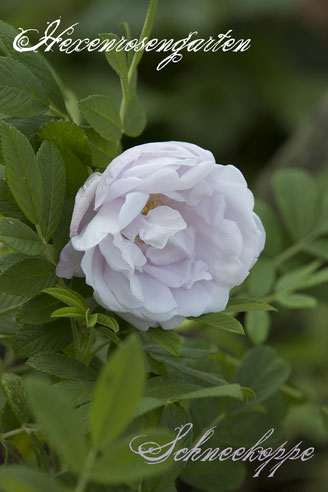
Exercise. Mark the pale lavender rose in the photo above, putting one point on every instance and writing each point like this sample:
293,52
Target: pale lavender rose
164,233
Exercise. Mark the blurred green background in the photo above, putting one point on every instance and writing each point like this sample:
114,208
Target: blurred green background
243,107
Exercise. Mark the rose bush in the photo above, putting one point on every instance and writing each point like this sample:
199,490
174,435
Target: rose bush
164,233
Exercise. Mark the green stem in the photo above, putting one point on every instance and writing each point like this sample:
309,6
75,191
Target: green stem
76,337
102,345
145,31
296,248
84,478
87,356
288,253
12,433
275,295
125,85
125,93
16,432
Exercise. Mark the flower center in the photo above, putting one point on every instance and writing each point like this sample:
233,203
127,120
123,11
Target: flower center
153,202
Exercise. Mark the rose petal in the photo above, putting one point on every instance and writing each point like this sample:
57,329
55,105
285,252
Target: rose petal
106,221
69,262
160,224
83,201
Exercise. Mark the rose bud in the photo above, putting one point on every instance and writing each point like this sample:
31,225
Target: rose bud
164,233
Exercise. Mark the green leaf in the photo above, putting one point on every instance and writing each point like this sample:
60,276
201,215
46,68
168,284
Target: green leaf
158,367
68,312
68,297
145,33
181,368
90,319
134,120
8,307
303,278
109,334
108,321
168,389
74,148
261,278
119,464
214,476
246,429
61,236
23,174
193,349
263,371
168,340
323,218
27,277
274,242
78,392
58,421
103,151
257,325
226,390
37,310
219,320
34,340
317,278
296,278
241,305
20,237
102,115
116,59
23,479
52,170
61,366
35,62
296,194
8,206
9,260
297,301
40,453
21,95
14,391
173,416
30,127
117,393
318,248
147,404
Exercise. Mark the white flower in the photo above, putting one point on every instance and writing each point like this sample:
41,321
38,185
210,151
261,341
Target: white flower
164,233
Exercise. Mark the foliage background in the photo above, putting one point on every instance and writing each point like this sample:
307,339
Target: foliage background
244,108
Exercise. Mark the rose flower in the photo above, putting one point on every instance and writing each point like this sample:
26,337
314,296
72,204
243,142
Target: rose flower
164,233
